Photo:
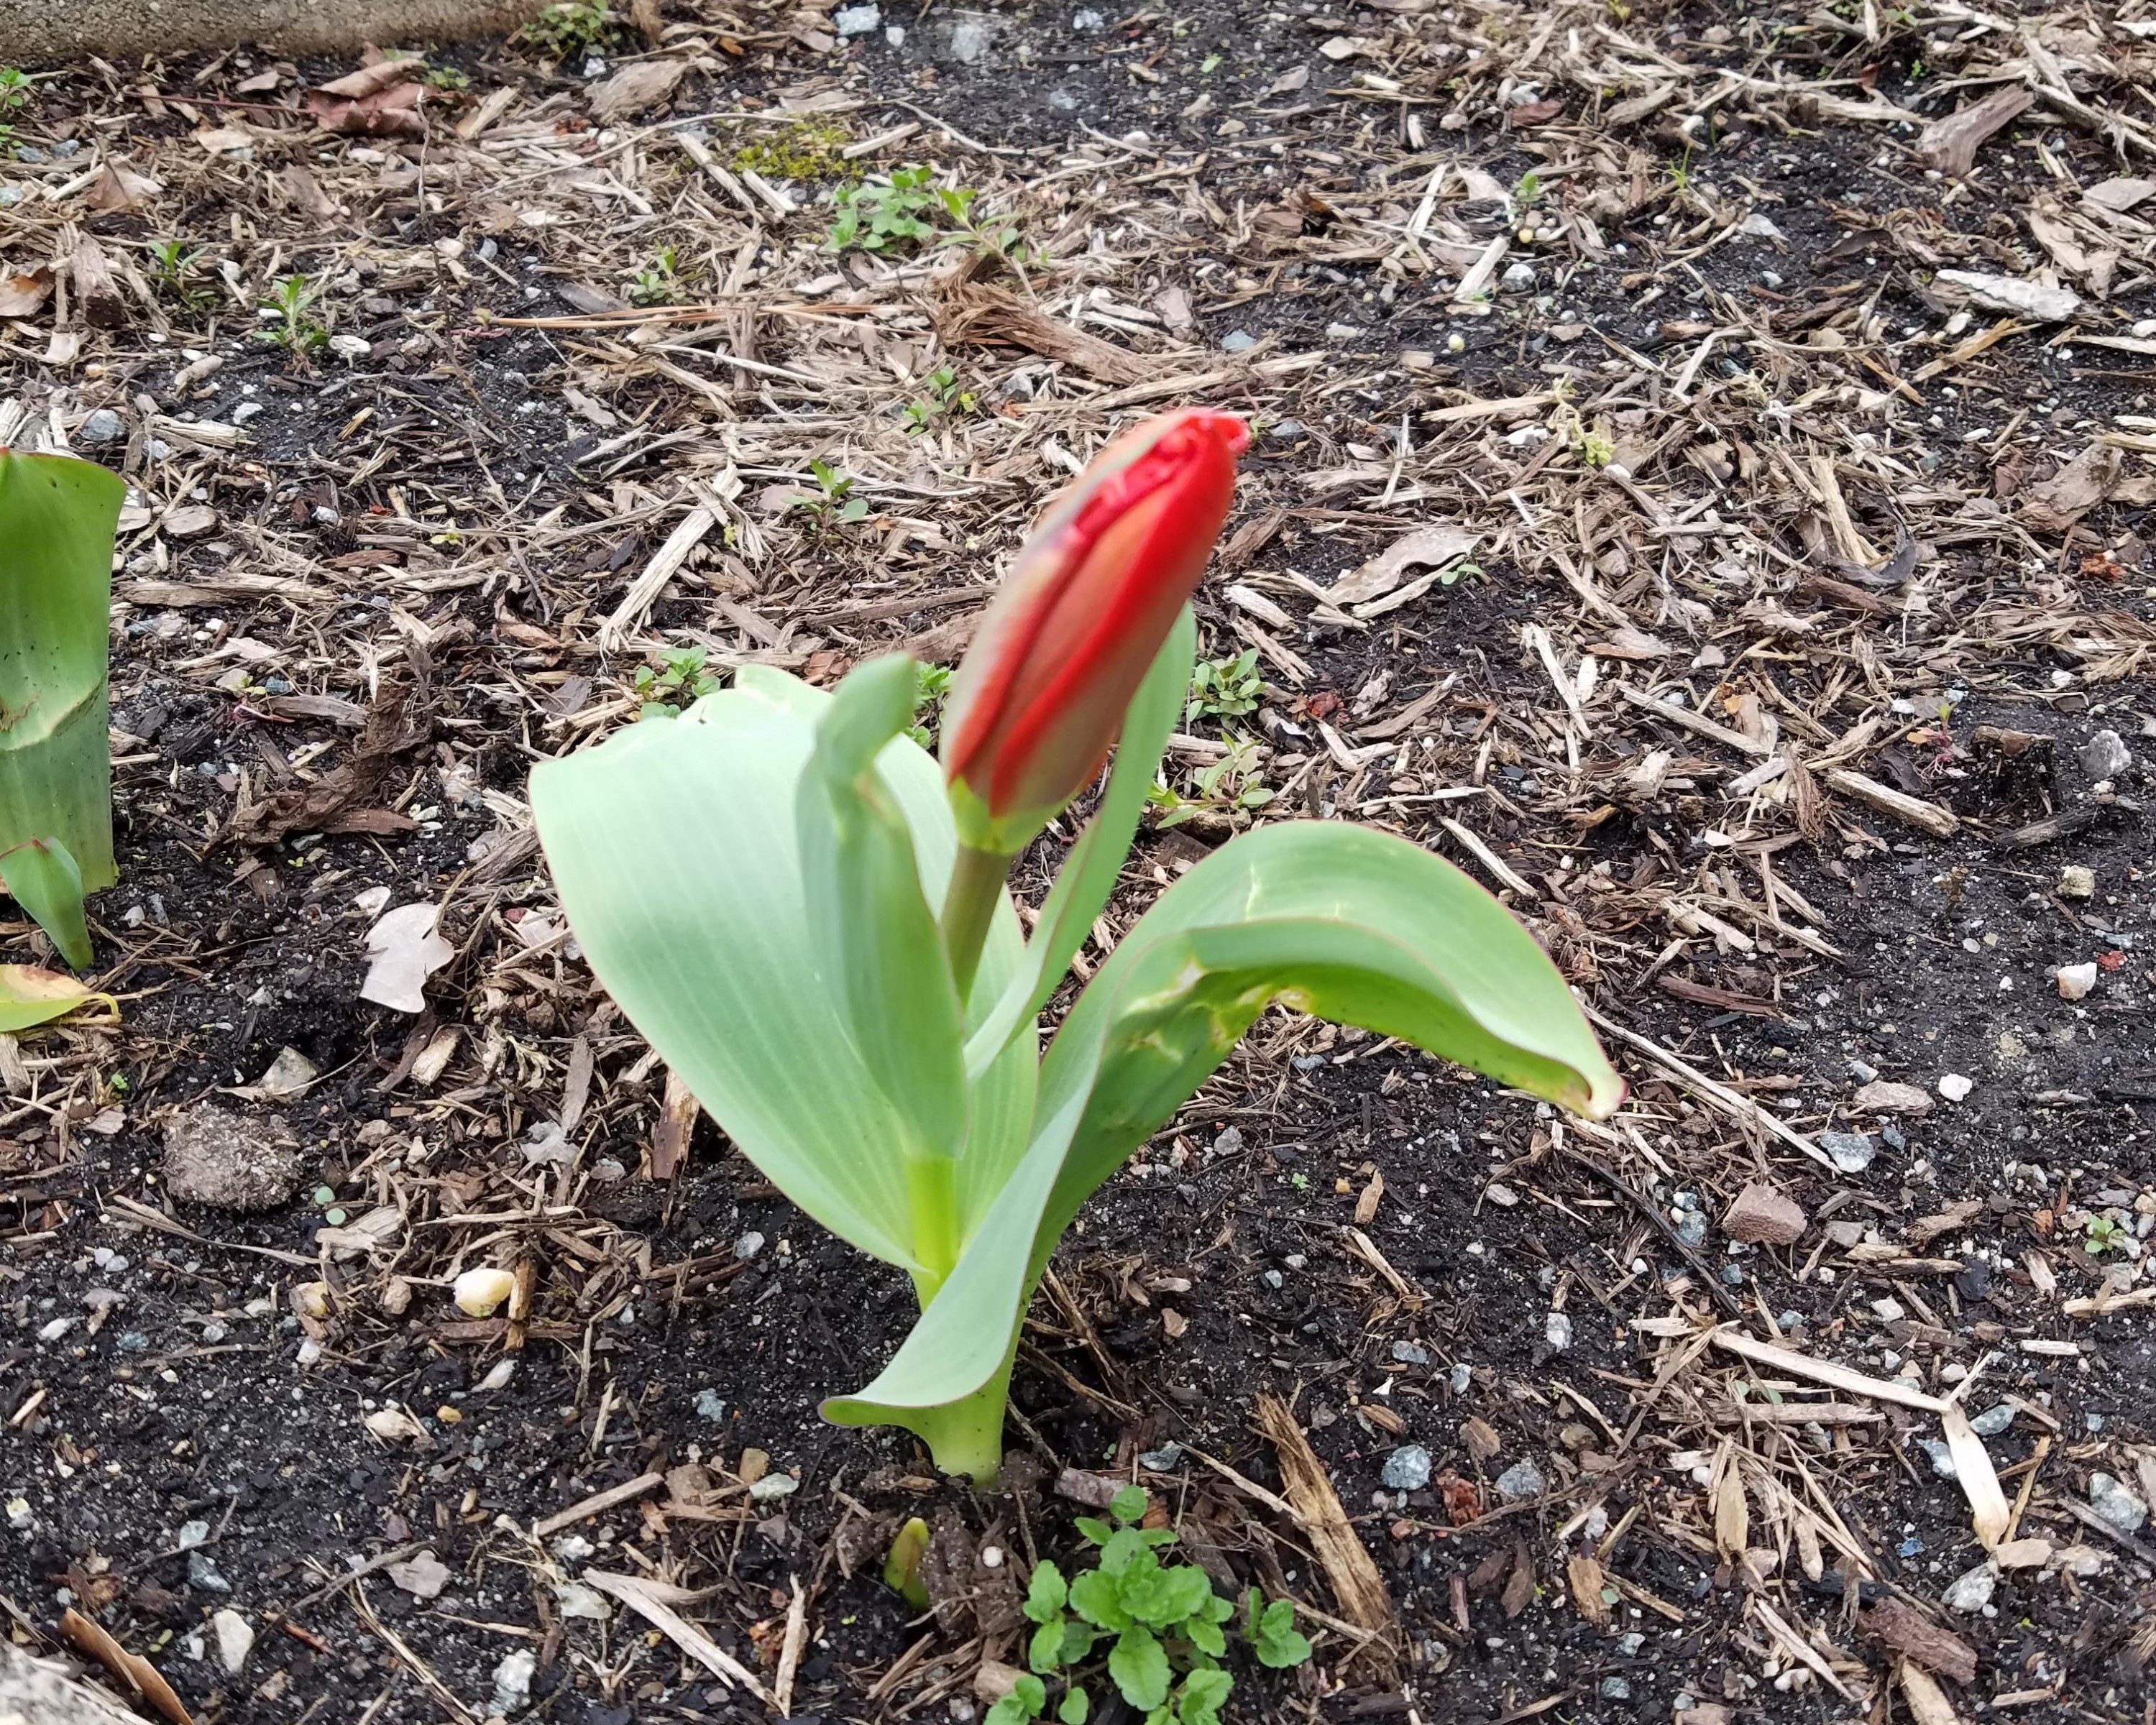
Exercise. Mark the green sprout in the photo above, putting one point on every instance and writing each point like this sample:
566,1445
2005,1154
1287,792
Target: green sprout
657,283
832,504
1157,1631
16,89
930,685
171,263
678,679
910,210
2103,1234
1529,191
448,78
945,398
290,317
1226,789
569,26
1225,688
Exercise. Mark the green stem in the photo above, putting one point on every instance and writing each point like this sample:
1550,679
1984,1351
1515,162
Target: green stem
966,1436
969,903
932,1195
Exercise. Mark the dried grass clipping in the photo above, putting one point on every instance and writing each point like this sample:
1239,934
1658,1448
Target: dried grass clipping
973,311
1347,1565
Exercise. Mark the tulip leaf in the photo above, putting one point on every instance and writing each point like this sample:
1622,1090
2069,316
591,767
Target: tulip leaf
673,848
1089,874
1341,921
41,875
57,520
30,996
876,939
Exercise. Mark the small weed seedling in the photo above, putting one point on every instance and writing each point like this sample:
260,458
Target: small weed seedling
929,689
2103,1235
679,679
1230,786
569,26
452,81
657,284
945,398
1225,688
171,262
16,89
1529,191
912,210
288,319
832,505
1163,1629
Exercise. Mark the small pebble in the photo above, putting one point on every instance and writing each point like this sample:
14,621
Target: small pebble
1407,1469
1954,1087
772,1486
1993,1422
1971,1592
1852,1152
1520,1481
2109,1498
1238,341
1165,1459
1408,1354
1557,1331
748,1245
102,426
203,1574
709,1406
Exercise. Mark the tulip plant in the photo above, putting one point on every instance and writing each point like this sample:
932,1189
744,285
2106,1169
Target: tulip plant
808,921
57,518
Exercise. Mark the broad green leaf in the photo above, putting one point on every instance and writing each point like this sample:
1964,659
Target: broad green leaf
1095,1597
875,936
1277,1643
1046,1594
57,517
673,847
1129,1504
1076,1705
41,876
1204,1693
1092,1529
1089,873
1032,1694
1009,1711
1207,1636
1340,920
1045,1652
30,996
1138,1665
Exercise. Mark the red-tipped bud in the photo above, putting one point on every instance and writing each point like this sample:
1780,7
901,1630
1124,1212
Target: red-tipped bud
1041,696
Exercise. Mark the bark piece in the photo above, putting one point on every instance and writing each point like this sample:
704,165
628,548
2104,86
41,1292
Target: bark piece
1913,1636
972,311
1950,143
1356,1583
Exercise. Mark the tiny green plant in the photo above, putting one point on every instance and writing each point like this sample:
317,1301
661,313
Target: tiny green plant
2101,1235
1225,688
832,504
657,283
450,79
16,89
1226,789
288,319
1157,1631
1529,191
678,679
930,688
910,210
569,26
172,268
945,398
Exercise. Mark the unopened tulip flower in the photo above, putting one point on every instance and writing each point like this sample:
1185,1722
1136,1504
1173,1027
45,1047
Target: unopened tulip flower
1041,696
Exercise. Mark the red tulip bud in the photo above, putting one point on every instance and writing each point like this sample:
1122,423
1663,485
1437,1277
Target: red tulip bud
1041,694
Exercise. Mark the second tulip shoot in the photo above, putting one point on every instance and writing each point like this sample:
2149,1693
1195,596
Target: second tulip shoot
806,916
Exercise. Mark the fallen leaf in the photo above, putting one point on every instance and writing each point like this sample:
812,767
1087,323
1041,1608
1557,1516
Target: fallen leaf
31,996
2120,194
131,1669
394,1424
379,101
1424,548
120,191
1537,113
636,87
403,951
23,295
2055,504
422,1577
2010,293
331,804
1950,143
222,140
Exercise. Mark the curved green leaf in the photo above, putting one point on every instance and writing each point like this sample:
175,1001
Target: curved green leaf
57,518
874,935
674,849
41,875
1341,921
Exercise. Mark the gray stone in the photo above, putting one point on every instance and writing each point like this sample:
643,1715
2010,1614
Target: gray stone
1616,1689
1557,1331
2105,755
1520,1481
748,1245
856,20
1692,1230
512,1680
1942,1461
1971,1592
1518,277
1408,1354
1238,341
235,1640
970,36
203,1573
230,1161
104,426
709,1406
2109,1498
1993,1422
1463,1378
1407,1469
1852,1152
772,1486
1165,1459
